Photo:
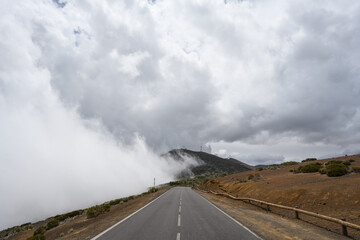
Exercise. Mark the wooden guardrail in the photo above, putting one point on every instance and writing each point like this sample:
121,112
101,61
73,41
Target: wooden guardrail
343,223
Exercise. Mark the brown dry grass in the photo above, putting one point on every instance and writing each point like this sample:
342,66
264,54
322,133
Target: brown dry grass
270,226
337,197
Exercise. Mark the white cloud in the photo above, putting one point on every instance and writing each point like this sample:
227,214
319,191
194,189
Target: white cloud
249,77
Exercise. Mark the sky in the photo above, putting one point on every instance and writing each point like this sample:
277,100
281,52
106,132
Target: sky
92,92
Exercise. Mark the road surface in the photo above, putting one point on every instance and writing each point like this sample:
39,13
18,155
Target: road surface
178,214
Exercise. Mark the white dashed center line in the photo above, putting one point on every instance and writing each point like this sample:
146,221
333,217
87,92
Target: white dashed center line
179,217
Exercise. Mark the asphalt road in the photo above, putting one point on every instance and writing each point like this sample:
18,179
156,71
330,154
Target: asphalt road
178,214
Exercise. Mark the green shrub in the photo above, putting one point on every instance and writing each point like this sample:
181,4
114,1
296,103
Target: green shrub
39,231
351,160
336,170
37,237
347,163
309,168
291,170
322,170
25,224
309,160
250,176
53,223
174,183
152,190
97,210
260,169
274,166
62,217
291,163
333,162
116,201
356,169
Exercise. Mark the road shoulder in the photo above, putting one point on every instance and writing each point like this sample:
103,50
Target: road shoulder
267,225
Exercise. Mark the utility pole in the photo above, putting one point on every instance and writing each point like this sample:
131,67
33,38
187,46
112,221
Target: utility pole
154,188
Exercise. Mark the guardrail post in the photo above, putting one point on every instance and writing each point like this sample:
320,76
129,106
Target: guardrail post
296,214
344,228
267,207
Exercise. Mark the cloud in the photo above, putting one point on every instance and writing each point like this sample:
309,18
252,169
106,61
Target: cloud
52,159
251,77
210,72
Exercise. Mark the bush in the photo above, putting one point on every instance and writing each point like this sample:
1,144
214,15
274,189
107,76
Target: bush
53,223
97,210
250,176
309,160
351,160
39,231
37,237
336,170
322,171
65,216
152,190
260,169
116,201
291,163
275,166
25,224
356,169
347,163
333,162
312,167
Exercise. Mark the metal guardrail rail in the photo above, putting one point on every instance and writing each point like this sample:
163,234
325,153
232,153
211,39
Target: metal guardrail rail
343,223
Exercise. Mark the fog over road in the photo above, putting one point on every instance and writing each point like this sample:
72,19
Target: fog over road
179,214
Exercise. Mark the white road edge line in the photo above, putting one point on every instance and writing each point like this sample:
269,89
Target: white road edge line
178,236
179,209
232,218
110,228
179,220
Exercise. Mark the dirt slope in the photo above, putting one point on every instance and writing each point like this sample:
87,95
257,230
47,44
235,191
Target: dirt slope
332,196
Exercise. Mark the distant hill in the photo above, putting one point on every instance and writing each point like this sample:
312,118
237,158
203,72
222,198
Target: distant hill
210,165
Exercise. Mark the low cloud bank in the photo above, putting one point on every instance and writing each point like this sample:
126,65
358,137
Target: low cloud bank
53,160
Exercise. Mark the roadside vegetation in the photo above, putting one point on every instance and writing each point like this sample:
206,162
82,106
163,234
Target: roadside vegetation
309,160
277,166
91,212
190,182
331,168
14,230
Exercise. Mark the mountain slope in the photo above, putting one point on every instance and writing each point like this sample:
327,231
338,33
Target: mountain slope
209,165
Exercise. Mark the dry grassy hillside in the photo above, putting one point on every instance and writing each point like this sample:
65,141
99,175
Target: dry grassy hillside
333,196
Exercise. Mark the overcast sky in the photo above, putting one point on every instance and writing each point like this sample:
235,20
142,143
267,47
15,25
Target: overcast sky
92,87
